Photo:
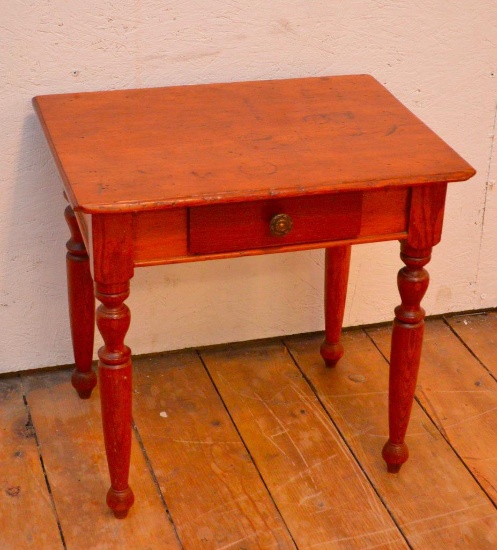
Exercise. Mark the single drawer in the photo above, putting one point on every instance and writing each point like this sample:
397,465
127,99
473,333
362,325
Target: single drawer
277,222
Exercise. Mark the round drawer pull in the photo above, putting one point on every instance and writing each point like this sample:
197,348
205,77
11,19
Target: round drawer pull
281,224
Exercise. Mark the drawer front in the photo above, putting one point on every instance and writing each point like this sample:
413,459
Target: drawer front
252,225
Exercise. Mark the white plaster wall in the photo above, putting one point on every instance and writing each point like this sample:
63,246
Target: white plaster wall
439,58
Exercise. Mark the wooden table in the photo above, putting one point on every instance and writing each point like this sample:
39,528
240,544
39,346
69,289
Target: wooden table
191,173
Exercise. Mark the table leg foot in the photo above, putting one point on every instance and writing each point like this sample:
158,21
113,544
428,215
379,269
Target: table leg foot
407,339
331,353
395,455
83,382
120,501
81,308
113,319
393,468
337,262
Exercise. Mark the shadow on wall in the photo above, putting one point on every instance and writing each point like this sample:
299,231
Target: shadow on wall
202,303
33,314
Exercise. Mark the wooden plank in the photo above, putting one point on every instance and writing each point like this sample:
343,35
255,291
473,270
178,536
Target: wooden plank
27,518
479,333
320,491
434,499
461,398
70,437
213,491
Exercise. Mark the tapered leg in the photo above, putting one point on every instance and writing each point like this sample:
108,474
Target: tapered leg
337,262
81,308
407,339
113,318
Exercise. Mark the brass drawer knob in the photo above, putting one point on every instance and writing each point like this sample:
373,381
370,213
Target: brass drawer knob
281,224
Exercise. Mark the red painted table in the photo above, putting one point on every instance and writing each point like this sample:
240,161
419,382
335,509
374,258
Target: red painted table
190,173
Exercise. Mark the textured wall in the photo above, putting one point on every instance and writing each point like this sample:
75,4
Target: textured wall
439,58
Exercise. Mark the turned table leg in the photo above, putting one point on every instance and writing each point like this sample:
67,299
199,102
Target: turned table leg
81,308
407,339
113,319
337,262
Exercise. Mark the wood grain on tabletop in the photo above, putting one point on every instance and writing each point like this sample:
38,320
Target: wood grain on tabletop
27,518
461,398
319,489
70,437
211,487
185,145
434,499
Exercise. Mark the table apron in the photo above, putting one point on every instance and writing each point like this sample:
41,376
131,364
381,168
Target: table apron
175,235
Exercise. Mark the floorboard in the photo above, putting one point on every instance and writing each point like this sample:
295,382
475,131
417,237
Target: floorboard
479,333
27,518
260,446
460,397
318,487
434,499
71,442
212,489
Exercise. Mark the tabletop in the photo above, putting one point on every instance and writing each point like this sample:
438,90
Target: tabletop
158,148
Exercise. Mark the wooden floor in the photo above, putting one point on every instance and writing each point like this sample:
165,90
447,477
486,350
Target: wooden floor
259,446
